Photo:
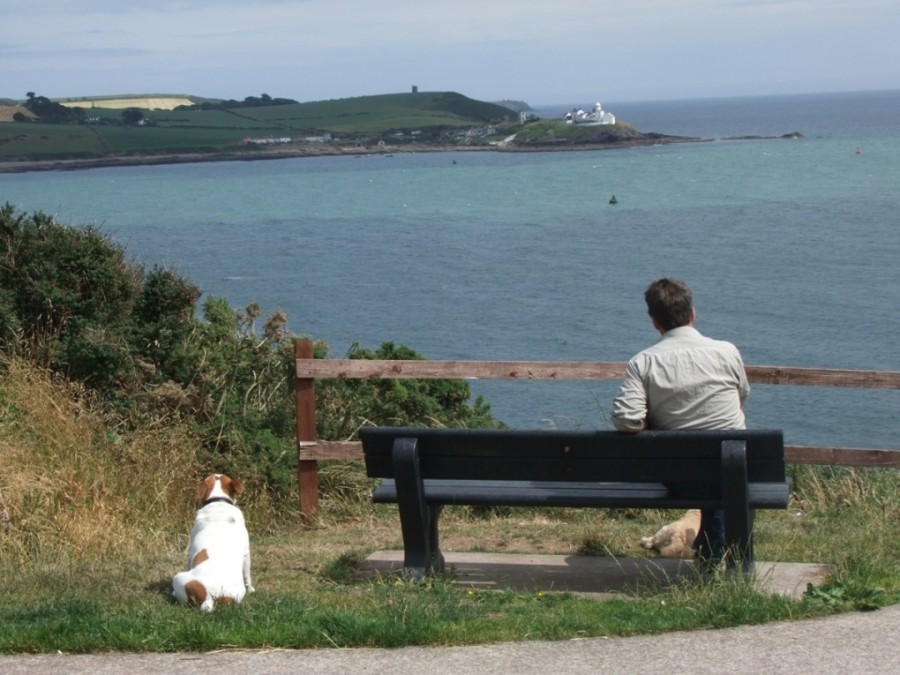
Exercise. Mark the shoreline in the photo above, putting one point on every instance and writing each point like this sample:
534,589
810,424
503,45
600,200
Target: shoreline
112,161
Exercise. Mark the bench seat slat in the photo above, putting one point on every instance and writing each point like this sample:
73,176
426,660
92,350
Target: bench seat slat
592,444
582,494
667,469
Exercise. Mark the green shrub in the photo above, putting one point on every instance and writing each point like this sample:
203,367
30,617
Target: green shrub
70,292
71,303
348,405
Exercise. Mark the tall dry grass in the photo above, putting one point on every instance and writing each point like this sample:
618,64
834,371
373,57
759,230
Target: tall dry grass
77,488
70,488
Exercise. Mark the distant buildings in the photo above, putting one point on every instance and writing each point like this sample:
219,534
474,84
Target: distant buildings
281,140
597,116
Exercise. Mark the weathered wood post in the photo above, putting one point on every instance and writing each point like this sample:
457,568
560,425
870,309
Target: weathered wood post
305,400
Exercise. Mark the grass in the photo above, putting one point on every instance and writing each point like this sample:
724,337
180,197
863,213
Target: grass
81,141
214,130
556,132
93,524
70,616
19,140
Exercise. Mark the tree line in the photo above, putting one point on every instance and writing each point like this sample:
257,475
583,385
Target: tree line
261,101
51,112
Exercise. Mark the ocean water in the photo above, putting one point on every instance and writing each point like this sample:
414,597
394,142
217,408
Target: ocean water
791,248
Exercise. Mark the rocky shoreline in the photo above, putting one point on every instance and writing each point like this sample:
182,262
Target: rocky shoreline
291,152
68,164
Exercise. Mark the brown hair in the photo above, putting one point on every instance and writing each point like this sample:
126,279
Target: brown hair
670,302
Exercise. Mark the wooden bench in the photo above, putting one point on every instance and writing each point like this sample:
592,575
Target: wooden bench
425,469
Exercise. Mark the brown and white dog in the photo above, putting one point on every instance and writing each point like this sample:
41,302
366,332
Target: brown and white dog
219,554
676,540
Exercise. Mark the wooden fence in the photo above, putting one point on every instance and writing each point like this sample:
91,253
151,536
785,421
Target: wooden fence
310,451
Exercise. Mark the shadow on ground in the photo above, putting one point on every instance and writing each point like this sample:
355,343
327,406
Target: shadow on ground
602,577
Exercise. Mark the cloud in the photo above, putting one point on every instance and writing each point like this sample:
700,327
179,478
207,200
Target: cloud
334,48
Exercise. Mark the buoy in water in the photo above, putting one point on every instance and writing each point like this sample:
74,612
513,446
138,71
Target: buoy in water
613,200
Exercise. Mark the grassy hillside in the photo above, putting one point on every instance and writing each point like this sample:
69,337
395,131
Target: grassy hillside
94,522
427,116
389,112
554,132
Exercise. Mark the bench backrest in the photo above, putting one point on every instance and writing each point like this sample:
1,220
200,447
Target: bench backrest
544,455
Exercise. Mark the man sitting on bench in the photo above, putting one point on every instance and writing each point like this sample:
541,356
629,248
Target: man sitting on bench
684,381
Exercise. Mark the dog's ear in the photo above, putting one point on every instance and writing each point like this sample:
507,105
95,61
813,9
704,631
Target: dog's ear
235,488
204,489
231,486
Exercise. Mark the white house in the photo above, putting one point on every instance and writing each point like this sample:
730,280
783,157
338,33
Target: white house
597,116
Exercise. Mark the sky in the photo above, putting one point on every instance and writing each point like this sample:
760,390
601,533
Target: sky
542,52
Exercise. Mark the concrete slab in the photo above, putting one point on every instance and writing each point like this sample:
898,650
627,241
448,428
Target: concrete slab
600,577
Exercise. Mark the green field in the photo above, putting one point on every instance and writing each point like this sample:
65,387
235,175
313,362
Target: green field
367,119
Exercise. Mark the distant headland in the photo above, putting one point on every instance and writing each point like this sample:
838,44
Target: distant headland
43,135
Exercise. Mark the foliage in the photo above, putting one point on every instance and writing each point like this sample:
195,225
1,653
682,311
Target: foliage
72,304
74,486
230,104
52,112
557,133
98,471
162,324
36,141
387,613
223,126
94,522
132,117
9,321
350,404
70,293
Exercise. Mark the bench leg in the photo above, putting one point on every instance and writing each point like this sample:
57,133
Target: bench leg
736,498
418,521
436,558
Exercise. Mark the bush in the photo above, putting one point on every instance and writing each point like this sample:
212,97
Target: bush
347,405
70,302
70,293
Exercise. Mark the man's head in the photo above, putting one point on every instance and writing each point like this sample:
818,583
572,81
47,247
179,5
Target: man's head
670,304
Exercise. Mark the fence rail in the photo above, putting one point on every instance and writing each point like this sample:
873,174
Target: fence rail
307,369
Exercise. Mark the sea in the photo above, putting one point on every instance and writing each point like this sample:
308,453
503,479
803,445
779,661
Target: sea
791,246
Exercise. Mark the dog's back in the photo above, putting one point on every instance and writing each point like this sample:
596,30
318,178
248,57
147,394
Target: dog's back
219,553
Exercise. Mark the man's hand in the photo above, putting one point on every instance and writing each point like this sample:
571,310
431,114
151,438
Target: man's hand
632,430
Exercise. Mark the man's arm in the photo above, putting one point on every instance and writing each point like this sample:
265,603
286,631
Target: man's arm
630,404
629,429
743,384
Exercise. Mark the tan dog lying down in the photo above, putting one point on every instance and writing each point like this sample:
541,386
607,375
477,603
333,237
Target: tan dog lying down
676,540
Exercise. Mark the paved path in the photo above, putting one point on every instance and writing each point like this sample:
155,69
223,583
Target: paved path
848,644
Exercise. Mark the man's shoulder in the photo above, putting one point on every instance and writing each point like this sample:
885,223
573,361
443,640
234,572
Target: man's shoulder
685,338
690,335
715,342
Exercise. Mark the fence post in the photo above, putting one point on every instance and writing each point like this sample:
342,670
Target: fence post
305,401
